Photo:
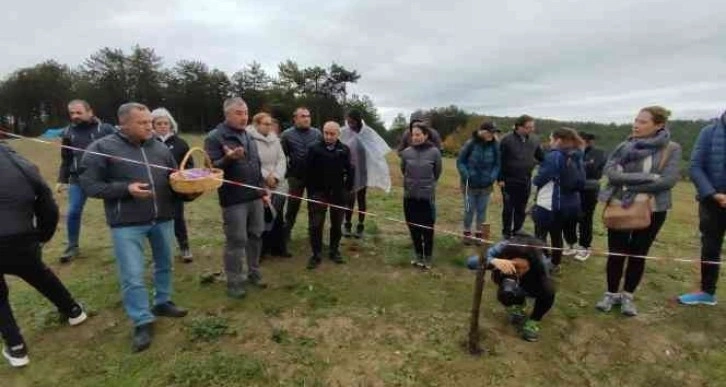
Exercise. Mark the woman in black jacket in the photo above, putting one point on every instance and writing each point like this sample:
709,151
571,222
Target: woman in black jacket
166,129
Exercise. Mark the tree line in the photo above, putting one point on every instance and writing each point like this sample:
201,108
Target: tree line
35,98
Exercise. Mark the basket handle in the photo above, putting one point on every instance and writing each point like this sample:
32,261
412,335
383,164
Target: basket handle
207,160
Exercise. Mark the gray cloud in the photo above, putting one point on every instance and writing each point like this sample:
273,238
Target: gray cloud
595,60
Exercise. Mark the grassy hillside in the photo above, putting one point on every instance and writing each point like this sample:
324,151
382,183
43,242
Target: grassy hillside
372,322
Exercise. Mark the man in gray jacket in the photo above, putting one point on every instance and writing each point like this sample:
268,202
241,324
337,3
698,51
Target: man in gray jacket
232,149
133,181
295,143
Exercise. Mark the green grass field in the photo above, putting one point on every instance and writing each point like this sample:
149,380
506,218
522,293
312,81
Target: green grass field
373,322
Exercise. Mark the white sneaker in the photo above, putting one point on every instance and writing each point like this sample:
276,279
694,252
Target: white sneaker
78,316
583,254
17,356
569,251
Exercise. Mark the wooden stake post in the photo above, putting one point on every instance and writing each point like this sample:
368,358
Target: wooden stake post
474,338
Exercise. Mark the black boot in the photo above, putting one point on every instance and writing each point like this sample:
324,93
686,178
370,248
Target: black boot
313,262
347,230
142,337
336,257
359,231
169,309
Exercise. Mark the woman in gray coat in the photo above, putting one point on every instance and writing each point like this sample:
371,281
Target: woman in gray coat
421,168
635,167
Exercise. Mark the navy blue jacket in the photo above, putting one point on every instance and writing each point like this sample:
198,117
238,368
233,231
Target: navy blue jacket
552,173
708,160
79,136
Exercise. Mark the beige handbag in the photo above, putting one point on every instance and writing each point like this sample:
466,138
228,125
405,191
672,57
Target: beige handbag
637,216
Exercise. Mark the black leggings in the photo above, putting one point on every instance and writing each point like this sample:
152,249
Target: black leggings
420,212
180,225
360,197
23,260
631,243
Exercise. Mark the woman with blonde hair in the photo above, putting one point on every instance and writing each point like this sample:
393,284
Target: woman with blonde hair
166,130
274,165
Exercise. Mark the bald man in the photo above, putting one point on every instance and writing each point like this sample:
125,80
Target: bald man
329,179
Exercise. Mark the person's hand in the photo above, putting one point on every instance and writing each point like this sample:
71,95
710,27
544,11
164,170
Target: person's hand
501,184
140,190
505,266
193,196
234,154
61,187
720,199
271,182
267,198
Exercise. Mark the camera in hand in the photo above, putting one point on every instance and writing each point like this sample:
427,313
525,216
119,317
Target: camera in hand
510,293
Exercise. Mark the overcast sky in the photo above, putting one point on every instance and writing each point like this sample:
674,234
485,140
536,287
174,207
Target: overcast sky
596,60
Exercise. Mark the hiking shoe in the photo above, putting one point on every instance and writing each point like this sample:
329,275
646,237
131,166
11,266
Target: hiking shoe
466,239
256,281
627,305
479,239
608,301
569,251
313,262
358,232
583,254
426,264
530,330
169,309
336,257
697,298
142,337
347,233
17,356
77,316
417,261
68,254
516,314
236,291
186,255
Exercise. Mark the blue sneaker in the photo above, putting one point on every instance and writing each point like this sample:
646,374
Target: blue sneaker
697,298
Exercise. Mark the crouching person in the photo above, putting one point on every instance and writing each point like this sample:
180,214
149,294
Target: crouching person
29,218
139,204
521,270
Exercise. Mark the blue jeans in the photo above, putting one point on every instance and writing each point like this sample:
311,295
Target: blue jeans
76,202
477,203
128,245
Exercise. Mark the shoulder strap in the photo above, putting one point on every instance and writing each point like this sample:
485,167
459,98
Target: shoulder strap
666,155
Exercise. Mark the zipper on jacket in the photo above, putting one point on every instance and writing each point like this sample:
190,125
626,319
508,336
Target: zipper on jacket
151,179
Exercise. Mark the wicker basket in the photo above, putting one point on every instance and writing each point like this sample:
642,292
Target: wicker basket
206,179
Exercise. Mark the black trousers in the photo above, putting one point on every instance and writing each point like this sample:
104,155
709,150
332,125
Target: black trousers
180,225
631,243
360,197
712,226
580,232
274,241
516,196
296,187
554,229
22,258
420,212
316,221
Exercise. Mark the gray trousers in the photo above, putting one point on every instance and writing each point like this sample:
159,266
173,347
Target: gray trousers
243,227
